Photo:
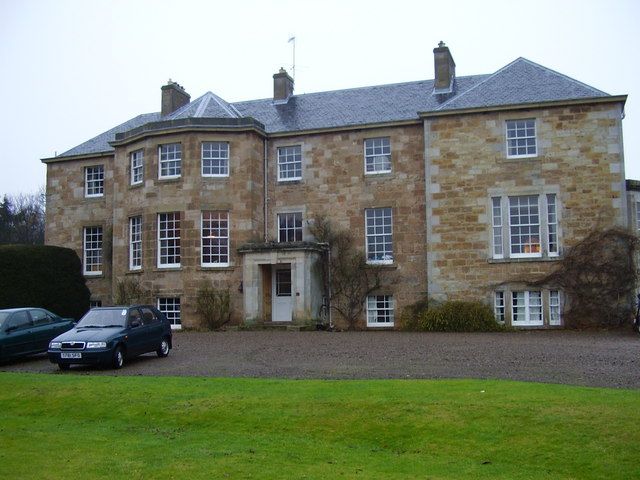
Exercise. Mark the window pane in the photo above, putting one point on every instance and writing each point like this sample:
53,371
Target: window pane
290,163
169,239
380,310
215,238
290,227
93,250
525,226
379,235
521,138
94,181
170,160
215,159
377,154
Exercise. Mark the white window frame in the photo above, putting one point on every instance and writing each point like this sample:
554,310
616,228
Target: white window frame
289,155
514,127
92,241
137,167
293,224
221,234
94,181
222,159
530,305
374,311
555,308
638,217
135,243
373,238
95,303
377,155
171,308
172,241
549,236
532,254
499,306
170,157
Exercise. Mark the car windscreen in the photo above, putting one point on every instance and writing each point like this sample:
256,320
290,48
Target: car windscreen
104,318
3,317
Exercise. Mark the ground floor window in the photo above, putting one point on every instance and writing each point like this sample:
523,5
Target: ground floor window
95,303
92,250
498,306
380,311
529,308
170,306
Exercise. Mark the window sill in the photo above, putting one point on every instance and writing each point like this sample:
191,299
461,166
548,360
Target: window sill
215,177
168,269
134,272
524,259
170,179
90,276
213,268
378,326
136,185
386,266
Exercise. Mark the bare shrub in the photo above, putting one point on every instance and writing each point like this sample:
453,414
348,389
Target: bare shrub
214,305
129,292
599,275
347,276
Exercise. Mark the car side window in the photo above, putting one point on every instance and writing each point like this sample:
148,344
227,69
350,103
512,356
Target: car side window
134,316
40,317
19,320
148,316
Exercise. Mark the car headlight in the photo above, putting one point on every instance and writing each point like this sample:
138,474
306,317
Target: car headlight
55,345
96,344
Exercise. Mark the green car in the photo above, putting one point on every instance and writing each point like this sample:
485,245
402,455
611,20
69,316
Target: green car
25,331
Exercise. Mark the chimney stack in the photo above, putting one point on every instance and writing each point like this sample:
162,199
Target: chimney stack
445,69
282,86
173,97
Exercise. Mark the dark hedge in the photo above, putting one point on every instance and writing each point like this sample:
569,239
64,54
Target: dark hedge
43,276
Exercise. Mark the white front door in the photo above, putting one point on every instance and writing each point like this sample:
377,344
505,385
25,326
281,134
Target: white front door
281,295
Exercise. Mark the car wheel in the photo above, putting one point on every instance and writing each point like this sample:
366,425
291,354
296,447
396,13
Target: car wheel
64,366
163,349
118,357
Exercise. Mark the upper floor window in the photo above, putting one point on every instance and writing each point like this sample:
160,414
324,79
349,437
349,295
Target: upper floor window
170,165
531,226
521,138
215,159
92,250
290,227
94,181
135,243
215,239
377,155
379,233
169,239
137,167
290,163
638,216
380,312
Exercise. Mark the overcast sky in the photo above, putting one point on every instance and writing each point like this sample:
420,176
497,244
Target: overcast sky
73,69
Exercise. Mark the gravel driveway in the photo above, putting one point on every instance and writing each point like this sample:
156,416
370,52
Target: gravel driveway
606,359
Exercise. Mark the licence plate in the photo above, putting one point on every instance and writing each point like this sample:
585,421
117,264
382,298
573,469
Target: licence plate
70,355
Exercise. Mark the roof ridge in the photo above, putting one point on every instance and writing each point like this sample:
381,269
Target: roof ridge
354,88
225,105
203,104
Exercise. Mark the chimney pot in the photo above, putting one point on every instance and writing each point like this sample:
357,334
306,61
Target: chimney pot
173,97
282,86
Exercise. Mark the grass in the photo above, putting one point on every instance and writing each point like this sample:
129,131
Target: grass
71,426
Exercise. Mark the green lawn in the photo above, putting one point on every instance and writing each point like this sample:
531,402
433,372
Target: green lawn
72,426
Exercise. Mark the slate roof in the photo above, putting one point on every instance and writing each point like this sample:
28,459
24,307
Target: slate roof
520,82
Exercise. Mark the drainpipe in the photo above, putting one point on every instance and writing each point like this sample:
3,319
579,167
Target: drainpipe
264,189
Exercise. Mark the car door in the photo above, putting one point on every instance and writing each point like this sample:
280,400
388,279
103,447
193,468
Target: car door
153,329
43,329
18,335
136,337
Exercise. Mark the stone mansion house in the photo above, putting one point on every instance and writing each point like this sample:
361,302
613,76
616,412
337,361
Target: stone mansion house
457,185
